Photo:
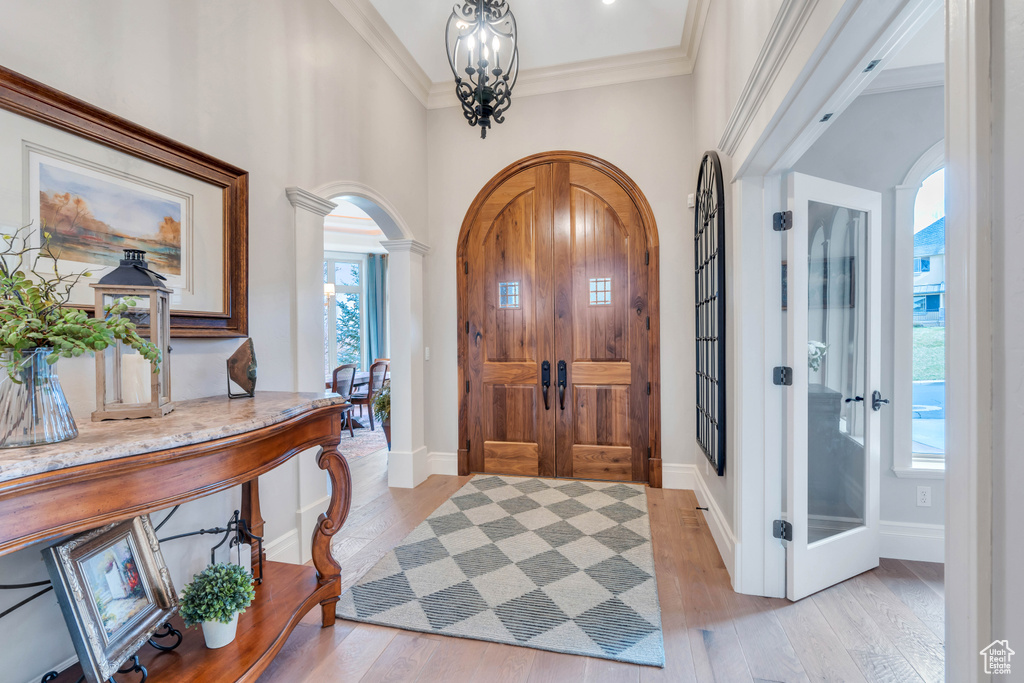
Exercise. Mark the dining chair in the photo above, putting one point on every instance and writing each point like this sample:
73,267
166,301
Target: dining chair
341,384
378,371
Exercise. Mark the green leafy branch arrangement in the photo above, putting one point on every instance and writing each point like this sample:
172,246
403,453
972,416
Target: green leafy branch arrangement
382,403
34,310
216,594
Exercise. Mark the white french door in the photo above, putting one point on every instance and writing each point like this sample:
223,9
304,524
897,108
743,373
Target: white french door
831,302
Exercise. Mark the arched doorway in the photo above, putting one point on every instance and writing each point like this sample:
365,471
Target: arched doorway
559,368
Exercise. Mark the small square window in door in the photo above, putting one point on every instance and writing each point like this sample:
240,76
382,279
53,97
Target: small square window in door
600,291
508,295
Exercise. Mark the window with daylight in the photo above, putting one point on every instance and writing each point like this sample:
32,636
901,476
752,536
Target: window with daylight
600,291
928,410
508,295
344,310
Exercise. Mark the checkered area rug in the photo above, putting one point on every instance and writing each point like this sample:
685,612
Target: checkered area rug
551,564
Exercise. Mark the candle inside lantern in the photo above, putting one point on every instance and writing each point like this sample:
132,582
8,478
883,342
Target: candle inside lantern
136,379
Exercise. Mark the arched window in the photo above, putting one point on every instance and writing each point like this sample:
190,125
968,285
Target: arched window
928,418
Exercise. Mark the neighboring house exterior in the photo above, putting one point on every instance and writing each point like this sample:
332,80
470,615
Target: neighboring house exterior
930,274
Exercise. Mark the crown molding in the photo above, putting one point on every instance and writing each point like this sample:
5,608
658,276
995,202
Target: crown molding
907,78
789,22
639,66
304,199
369,24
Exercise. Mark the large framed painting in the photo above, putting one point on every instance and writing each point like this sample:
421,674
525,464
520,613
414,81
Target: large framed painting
114,590
95,184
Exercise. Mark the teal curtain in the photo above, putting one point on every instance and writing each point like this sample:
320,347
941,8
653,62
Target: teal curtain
376,306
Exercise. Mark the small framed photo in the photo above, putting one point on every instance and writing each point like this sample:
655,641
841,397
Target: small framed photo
114,590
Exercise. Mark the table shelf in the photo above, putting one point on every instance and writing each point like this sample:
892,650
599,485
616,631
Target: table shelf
287,593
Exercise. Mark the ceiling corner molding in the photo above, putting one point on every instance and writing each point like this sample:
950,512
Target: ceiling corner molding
304,199
784,32
369,24
693,29
639,66
907,78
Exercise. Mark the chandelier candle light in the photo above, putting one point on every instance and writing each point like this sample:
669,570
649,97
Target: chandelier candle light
478,32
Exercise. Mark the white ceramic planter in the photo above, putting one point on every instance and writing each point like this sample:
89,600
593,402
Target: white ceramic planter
217,634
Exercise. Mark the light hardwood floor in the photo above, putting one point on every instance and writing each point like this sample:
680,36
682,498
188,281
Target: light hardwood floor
884,625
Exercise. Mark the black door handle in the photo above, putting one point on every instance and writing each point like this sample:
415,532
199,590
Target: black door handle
855,398
877,401
561,384
545,381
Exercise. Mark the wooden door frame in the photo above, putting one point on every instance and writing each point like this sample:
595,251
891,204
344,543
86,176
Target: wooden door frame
651,234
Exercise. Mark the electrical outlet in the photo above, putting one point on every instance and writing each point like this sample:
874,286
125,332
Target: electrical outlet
691,200
924,496
426,353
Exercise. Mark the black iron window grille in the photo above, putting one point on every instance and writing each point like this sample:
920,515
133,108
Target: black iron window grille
709,276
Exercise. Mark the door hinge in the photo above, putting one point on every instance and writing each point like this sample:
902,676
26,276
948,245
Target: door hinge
782,220
648,322
782,376
647,258
782,529
648,452
648,388
465,267
467,444
467,327
467,386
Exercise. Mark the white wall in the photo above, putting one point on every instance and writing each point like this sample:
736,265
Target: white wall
1008,351
643,128
873,145
282,88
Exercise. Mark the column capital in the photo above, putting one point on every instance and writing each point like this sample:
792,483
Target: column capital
398,246
304,199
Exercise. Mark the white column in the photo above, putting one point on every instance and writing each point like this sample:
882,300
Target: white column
308,337
407,462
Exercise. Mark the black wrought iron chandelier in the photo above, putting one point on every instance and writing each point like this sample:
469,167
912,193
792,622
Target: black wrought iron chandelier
483,53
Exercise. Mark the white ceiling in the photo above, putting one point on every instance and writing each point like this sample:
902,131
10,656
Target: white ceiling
928,46
551,33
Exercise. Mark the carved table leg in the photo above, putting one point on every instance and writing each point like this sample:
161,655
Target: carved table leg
251,512
327,568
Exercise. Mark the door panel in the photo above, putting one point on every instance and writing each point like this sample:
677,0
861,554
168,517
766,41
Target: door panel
555,268
509,429
601,327
833,319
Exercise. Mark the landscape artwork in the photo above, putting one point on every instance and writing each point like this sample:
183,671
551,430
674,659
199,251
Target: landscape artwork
91,220
118,592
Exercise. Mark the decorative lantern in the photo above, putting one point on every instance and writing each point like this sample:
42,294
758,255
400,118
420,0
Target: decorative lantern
126,385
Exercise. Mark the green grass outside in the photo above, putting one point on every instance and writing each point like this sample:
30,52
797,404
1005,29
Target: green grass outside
929,353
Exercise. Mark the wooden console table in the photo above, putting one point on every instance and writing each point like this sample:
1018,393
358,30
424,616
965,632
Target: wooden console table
119,469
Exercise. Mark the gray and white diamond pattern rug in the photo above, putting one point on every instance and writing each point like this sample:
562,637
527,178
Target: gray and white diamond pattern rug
552,564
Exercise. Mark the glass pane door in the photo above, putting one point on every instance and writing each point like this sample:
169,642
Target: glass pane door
833,260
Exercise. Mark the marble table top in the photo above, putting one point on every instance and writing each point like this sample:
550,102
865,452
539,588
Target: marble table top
192,421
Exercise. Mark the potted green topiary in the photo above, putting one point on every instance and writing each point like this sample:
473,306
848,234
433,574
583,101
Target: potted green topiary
214,598
382,410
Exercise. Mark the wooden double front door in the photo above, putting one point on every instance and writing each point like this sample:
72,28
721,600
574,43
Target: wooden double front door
557,267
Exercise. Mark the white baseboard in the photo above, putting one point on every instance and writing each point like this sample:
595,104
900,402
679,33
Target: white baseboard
688,477
307,518
444,463
408,470
60,668
285,548
908,541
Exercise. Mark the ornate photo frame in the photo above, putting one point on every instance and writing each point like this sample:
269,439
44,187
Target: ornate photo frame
114,590
57,151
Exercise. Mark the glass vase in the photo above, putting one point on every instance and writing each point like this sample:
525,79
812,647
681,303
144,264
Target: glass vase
33,409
